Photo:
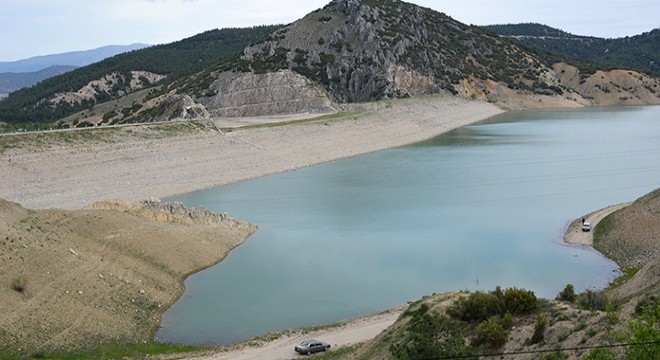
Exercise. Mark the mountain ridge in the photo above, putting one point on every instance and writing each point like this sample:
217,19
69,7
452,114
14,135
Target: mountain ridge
370,50
639,52
347,51
11,81
71,58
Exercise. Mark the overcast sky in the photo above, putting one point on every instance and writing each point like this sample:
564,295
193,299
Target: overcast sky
40,27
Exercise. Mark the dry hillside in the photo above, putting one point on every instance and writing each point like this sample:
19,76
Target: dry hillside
79,279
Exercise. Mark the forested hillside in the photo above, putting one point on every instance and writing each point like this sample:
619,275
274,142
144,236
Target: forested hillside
640,52
173,60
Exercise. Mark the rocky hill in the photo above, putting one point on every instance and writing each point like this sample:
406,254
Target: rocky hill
349,51
359,50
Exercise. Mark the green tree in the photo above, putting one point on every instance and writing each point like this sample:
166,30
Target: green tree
539,329
645,329
568,294
600,354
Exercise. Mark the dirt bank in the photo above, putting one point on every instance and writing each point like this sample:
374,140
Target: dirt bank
80,279
71,170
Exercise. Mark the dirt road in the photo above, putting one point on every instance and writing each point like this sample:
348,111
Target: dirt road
347,334
574,233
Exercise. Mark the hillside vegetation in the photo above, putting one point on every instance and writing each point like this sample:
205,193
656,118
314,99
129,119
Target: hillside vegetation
39,104
640,52
13,81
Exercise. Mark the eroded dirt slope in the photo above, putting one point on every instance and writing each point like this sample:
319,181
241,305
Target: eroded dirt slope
79,279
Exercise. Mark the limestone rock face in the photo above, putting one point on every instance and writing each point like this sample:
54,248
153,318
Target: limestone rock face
248,94
180,107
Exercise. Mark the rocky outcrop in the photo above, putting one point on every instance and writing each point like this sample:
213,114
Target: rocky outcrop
361,51
613,87
115,84
171,212
248,94
179,107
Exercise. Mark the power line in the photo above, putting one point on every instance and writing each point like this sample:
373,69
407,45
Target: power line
541,351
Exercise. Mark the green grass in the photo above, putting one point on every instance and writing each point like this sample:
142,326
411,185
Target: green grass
627,275
604,227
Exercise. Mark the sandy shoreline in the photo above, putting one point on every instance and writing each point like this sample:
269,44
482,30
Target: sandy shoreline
71,176
575,235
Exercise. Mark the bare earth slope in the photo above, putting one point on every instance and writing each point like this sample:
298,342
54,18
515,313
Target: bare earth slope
79,279
72,169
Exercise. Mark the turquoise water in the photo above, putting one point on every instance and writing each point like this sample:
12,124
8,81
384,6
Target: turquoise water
484,205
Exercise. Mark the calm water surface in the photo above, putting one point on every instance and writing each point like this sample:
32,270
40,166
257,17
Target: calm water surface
482,206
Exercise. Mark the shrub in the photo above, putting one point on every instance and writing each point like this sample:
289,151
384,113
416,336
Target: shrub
18,284
600,354
491,333
519,301
539,329
641,306
477,307
645,329
592,300
568,294
430,335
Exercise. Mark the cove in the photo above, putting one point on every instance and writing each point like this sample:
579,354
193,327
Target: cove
481,206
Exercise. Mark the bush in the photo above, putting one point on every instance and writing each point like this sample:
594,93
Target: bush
477,307
539,329
18,284
519,301
645,329
430,335
643,304
592,300
492,333
480,306
568,294
600,354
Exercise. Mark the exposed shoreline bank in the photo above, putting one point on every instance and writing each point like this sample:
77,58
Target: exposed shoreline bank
574,234
133,164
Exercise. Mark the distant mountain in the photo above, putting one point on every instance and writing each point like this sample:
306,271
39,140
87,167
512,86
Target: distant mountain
639,52
11,81
74,58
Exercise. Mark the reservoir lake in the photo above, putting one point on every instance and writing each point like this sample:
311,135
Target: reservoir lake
481,206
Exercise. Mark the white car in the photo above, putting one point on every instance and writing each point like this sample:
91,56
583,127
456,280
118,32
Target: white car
586,226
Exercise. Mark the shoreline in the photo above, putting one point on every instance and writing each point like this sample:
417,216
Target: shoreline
575,236
134,164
